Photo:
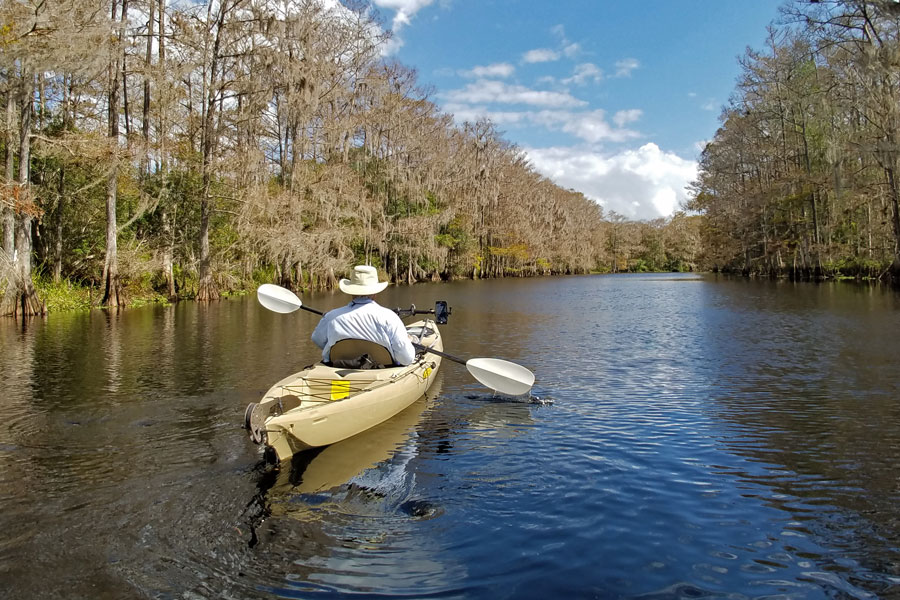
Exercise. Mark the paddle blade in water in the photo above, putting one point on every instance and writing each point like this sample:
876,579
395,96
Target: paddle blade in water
501,375
277,299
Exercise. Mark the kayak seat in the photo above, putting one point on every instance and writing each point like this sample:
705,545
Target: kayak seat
359,354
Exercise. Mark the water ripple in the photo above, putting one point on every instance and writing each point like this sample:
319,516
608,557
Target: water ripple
706,438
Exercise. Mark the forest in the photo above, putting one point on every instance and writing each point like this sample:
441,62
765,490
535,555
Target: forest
156,150
801,179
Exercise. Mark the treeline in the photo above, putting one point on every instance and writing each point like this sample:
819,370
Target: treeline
801,180
191,149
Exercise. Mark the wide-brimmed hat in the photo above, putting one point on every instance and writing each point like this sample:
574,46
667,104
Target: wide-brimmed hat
363,282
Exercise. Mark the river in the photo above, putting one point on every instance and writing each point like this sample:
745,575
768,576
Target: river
689,436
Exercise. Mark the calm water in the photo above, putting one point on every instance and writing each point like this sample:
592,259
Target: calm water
706,437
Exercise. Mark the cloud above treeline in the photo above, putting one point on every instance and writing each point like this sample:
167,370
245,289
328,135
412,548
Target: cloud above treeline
498,92
643,183
501,70
540,55
404,10
640,183
609,160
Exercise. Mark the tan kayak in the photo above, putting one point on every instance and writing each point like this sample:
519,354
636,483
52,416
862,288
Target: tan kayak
324,404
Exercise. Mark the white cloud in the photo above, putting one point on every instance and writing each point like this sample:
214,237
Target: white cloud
623,117
493,70
572,50
625,66
710,105
590,126
404,11
569,49
642,183
499,92
585,73
540,55
471,113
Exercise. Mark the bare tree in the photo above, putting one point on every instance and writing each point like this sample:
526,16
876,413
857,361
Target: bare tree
113,293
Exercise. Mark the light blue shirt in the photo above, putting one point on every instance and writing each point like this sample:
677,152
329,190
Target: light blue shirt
364,319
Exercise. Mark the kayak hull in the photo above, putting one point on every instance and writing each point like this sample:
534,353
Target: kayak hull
322,405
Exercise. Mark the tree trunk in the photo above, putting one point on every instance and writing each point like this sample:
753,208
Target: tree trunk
113,294
168,237
206,289
145,114
286,274
168,251
21,298
895,222
61,189
58,227
9,213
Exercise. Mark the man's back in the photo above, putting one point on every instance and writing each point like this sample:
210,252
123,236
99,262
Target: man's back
364,319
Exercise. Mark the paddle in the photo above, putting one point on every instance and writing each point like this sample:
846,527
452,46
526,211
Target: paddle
497,374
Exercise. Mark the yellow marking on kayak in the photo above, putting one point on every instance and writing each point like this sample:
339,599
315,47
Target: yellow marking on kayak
426,372
340,389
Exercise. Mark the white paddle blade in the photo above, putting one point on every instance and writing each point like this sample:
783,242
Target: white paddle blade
501,375
277,299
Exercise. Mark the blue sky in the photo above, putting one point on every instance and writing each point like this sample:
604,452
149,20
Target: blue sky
612,98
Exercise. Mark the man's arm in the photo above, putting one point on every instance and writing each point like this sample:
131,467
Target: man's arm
320,333
401,348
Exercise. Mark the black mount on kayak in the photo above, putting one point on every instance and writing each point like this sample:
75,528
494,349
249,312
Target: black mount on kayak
441,311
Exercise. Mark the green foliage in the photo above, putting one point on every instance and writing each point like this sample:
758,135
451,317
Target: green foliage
428,265
677,265
63,295
854,268
446,240
360,256
137,302
401,205
144,287
262,274
454,235
639,265
185,280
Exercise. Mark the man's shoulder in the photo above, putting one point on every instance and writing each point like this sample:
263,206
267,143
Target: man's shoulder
382,311
339,310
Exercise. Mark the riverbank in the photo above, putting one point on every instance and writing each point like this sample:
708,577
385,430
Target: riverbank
65,296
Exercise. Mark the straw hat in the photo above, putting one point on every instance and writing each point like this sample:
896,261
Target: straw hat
363,282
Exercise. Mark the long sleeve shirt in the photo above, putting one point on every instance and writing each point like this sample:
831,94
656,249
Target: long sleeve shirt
364,319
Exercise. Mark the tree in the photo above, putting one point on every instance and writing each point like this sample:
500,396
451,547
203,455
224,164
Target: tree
20,298
113,293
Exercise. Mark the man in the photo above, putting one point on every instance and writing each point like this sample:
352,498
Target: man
364,319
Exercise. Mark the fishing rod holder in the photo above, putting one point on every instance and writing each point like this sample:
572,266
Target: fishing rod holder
440,311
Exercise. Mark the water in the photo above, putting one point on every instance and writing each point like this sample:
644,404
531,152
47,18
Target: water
698,437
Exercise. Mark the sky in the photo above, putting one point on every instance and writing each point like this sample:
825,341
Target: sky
612,98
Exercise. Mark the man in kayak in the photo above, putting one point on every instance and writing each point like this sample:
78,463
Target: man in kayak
364,319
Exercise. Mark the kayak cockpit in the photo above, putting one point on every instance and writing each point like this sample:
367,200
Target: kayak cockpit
323,404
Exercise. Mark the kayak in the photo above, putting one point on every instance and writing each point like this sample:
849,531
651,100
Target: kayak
324,404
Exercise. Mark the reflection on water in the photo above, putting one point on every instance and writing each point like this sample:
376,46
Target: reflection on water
707,437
